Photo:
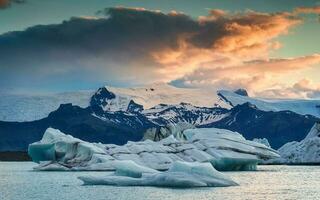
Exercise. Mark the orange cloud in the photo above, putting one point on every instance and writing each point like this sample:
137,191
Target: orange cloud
253,32
224,39
256,76
307,10
306,85
221,50
304,88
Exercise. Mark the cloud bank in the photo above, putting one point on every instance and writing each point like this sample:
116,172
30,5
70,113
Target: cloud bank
137,46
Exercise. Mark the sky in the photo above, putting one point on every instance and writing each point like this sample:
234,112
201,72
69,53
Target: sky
271,48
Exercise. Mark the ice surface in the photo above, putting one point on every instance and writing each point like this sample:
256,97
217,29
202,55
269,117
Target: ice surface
25,107
300,106
160,93
21,107
306,151
180,174
131,169
65,150
262,141
225,150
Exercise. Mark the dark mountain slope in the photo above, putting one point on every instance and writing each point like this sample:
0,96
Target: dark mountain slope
117,127
278,127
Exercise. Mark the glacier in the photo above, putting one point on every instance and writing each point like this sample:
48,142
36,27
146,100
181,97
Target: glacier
29,107
300,106
225,150
306,151
147,98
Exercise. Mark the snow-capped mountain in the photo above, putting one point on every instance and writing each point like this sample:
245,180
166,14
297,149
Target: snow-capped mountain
34,107
165,114
22,107
117,115
149,96
155,95
303,107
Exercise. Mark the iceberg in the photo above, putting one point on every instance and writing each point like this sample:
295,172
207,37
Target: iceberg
223,149
180,174
306,151
262,141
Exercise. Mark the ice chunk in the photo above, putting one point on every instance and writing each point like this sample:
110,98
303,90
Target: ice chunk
41,152
180,174
225,150
263,141
131,169
64,149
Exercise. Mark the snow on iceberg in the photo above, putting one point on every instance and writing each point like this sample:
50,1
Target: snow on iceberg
225,150
180,174
305,152
262,141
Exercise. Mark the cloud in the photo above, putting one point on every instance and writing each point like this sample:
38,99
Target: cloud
7,3
256,76
137,46
308,10
304,88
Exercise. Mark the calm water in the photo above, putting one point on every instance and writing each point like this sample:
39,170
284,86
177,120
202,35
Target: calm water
18,182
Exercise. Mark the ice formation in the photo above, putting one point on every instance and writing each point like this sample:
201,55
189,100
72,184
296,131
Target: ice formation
159,93
26,107
225,150
305,152
180,174
34,107
262,141
300,106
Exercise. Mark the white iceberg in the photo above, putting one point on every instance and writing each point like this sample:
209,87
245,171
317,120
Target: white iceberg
305,152
225,150
262,141
180,174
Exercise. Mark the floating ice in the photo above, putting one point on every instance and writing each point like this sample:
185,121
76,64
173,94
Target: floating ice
225,150
262,141
180,174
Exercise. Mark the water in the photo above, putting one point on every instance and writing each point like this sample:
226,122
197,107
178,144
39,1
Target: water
19,182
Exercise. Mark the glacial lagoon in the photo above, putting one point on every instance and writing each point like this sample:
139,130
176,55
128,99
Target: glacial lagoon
19,182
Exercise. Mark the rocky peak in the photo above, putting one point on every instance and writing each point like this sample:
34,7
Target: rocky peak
242,92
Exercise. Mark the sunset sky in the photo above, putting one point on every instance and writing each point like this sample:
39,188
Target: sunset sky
271,48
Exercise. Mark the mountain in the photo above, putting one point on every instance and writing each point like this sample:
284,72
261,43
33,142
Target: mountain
22,107
163,114
307,151
152,95
95,125
277,127
303,107
117,127
118,115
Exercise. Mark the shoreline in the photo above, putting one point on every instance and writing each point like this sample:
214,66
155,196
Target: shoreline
22,156
14,156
